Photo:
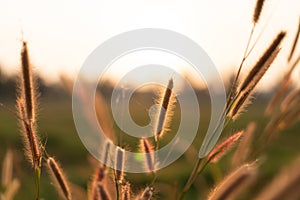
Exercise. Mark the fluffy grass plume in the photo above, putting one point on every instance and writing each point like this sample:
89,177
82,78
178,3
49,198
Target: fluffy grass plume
59,179
244,147
224,147
165,112
234,183
285,185
257,11
254,76
27,84
30,139
119,164
263,63
147,148
244,94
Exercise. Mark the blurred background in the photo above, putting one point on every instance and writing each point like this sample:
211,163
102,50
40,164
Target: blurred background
61,35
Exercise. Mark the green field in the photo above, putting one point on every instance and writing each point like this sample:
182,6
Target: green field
57,127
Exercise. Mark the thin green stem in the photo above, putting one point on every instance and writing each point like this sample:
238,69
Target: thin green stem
191,179
37,179
234,85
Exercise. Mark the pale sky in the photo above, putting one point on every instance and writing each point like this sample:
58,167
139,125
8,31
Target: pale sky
61,34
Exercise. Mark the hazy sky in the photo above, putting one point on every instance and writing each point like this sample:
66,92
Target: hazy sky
61,34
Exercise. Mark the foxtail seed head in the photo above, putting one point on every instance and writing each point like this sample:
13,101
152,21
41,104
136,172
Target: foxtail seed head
147,148
165,112
59,178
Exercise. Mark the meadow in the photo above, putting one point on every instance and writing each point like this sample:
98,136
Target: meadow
56,124
255,155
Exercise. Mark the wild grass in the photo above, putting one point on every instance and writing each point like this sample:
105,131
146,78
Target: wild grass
59,178
248,145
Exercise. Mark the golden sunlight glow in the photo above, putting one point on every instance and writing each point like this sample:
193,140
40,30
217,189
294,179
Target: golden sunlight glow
61,34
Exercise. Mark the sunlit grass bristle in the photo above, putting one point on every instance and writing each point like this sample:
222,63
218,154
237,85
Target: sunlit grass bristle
255,75
263,63
257,11
147,148
224,147
295,42
119,164
165,113
241,103
231,185
31,143
27,84
59,179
